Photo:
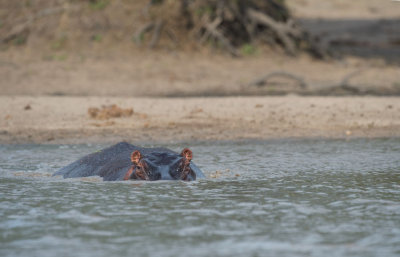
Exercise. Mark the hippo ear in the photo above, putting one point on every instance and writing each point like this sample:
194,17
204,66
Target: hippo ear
135,157
187,153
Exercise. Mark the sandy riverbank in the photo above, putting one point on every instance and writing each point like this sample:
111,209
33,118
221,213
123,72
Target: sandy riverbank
66,120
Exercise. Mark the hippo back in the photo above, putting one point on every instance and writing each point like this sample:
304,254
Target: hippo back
113,162
92,164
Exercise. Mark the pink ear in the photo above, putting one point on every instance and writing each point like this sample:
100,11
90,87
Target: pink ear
187,153
135,157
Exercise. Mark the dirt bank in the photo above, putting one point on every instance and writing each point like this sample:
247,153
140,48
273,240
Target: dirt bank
66,119
159,74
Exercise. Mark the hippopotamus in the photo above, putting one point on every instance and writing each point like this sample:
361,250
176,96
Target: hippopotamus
125,161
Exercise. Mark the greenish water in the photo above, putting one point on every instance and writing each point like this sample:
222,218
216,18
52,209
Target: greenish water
292,198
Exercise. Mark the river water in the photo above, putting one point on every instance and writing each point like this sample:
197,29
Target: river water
261,198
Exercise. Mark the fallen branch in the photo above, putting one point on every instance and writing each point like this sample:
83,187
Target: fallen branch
212,26
283,31
171,34
264,79
22,28
214,32
346,79
344,83
157,33
138,37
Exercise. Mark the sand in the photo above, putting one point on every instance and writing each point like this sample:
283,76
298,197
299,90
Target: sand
46,119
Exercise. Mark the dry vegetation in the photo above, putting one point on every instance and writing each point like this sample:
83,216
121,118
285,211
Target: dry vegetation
180,48
228,25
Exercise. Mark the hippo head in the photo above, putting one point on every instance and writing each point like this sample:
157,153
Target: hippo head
162,165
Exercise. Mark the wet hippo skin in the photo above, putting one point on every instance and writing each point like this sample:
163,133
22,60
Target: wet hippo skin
124,161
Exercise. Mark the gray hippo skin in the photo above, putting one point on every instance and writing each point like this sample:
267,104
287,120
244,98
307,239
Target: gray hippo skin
124,161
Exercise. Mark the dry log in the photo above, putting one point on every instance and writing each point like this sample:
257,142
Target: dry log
264,79
138,37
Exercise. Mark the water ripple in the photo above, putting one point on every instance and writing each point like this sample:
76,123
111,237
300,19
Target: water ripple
292,198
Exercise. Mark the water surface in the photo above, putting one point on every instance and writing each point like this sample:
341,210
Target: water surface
269,198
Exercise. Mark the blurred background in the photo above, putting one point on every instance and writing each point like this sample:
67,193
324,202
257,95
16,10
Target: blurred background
199,47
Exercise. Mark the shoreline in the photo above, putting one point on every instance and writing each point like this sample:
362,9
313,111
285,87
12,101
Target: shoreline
53,120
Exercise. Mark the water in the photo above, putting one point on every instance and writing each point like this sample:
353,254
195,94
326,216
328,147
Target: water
271,198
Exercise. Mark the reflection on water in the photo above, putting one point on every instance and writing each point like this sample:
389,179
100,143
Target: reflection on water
272,198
